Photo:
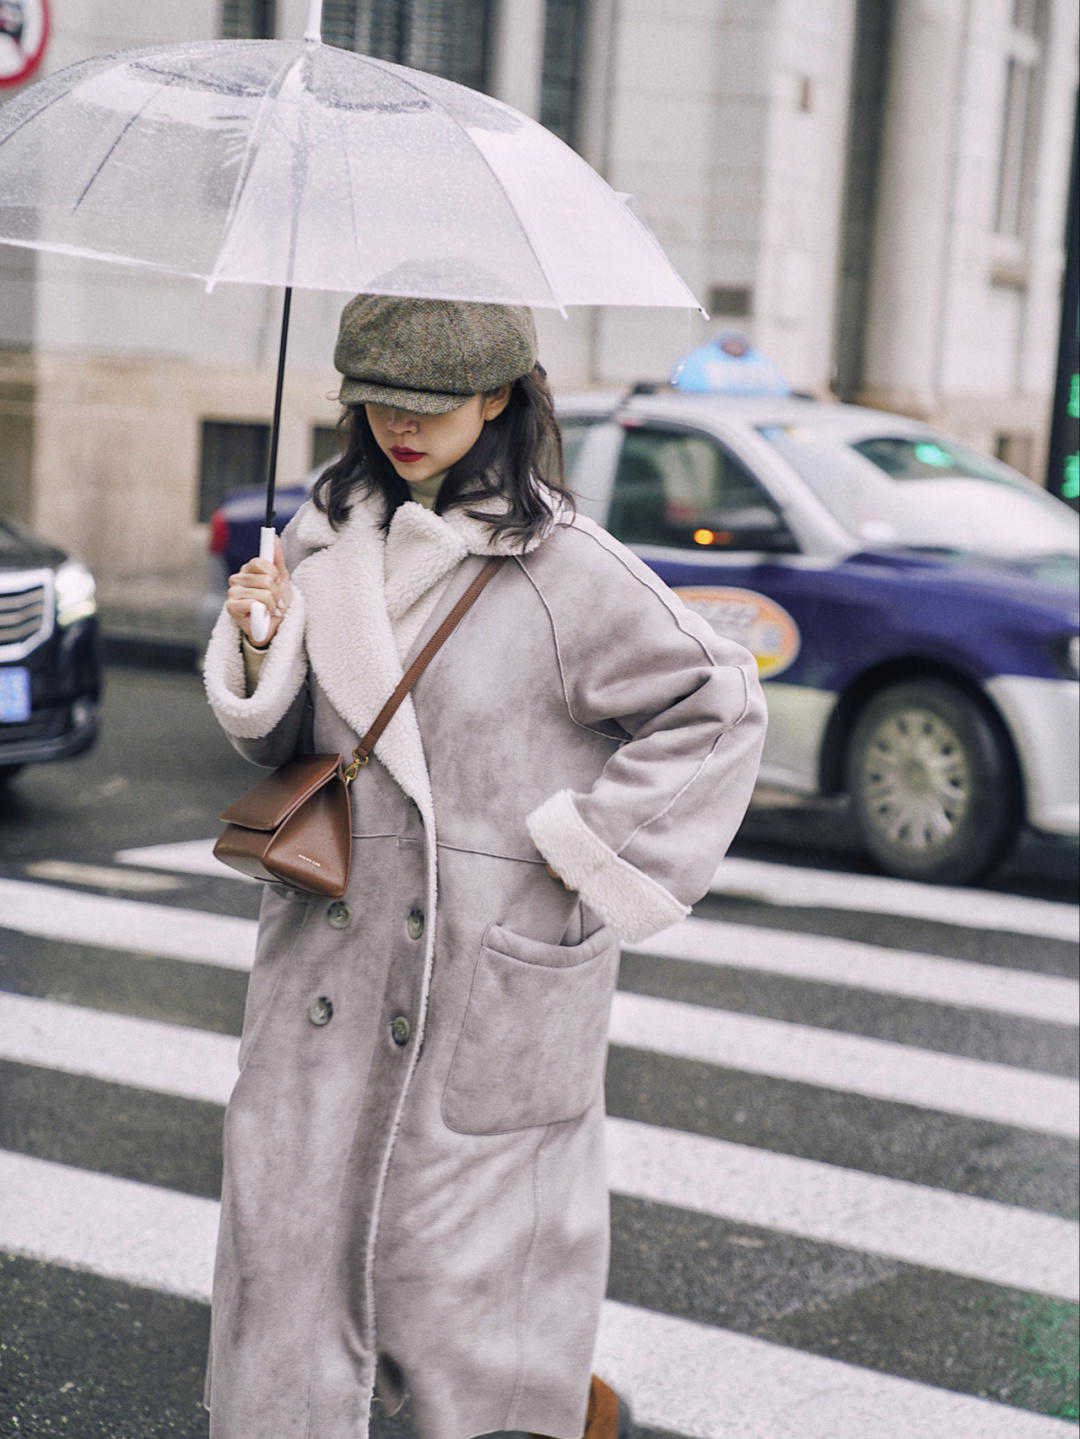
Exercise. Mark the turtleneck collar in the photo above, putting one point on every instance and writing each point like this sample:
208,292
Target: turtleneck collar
425,492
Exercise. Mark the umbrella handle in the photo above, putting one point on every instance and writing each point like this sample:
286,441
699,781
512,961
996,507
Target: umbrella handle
260,616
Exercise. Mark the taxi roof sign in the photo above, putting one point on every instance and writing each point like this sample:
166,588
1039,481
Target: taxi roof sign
728,364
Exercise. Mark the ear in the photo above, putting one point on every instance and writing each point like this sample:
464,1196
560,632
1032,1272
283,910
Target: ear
495,402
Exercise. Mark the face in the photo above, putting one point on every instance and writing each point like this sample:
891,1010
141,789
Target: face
419,446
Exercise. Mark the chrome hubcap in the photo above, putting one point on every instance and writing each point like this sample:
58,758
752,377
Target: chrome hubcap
916,780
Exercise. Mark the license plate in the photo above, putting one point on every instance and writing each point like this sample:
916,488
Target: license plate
14,695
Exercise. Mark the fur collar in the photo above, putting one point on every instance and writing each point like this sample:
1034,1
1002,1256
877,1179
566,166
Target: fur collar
422,548
350,642
314,530
354,581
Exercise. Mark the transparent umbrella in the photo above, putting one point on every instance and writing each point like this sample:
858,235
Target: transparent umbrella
300,164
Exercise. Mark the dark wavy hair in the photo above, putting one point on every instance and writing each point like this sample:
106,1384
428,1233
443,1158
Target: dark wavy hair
514,450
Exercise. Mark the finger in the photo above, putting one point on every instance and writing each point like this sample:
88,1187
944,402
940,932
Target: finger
256,582
279,556
246,598
254,567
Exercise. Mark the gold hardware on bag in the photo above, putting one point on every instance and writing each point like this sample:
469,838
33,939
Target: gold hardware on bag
352,769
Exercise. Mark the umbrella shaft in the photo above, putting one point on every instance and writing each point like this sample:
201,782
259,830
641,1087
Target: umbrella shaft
271,464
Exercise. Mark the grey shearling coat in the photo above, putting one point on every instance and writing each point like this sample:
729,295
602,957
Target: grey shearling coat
434,1215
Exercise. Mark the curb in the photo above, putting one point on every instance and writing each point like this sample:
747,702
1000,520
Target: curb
149,651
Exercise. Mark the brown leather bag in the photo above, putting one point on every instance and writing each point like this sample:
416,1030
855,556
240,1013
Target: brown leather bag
295,826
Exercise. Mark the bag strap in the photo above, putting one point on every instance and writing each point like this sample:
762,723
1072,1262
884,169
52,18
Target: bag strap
362,752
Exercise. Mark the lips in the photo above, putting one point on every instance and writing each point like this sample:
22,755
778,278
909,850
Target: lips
405,455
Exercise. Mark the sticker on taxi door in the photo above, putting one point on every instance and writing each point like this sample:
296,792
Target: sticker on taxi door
763,626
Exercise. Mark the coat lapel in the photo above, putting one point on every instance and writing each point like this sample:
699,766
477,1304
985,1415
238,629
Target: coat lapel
459,582
350,643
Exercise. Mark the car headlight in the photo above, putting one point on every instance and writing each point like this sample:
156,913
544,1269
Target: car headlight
75,593
1066,653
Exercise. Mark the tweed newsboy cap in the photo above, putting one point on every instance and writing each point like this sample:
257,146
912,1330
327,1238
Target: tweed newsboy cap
430,355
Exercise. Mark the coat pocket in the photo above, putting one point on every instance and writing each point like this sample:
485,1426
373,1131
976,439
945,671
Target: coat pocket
532,1044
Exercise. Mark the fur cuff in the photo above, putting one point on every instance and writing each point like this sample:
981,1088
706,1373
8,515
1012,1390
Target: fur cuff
282,673
635,905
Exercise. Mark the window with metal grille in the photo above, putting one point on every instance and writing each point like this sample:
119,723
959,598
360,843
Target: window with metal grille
443,37
247,19
560,78
232,455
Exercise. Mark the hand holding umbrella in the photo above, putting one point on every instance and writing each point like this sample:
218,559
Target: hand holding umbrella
262,585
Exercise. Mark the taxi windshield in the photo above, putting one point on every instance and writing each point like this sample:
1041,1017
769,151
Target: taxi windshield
925,492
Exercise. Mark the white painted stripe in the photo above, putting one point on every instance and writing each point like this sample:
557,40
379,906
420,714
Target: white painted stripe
713,1384
65,871
692,1378
869,966
776,884
145,1053
54,912
138,1233
193,856
874,1067
998,1243
118,1047
973,908
995,1242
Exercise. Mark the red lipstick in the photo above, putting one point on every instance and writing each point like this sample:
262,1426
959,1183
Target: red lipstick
404,455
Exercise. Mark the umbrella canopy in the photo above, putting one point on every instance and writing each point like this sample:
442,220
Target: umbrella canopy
301,164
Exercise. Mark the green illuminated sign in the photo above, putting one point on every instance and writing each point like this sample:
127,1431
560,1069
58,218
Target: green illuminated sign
1063,460
930,454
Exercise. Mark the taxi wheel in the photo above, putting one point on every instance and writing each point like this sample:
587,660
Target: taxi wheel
933,786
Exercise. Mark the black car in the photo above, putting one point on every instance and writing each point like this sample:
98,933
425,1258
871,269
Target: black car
50,666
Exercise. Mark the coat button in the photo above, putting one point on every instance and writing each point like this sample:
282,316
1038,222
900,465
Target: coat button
339,914
415,923
320,1010
400,1029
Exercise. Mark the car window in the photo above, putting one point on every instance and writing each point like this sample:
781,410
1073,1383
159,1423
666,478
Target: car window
906,457
682,489
925,492
573,437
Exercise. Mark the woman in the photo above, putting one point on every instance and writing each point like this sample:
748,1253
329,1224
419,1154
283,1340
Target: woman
413,1192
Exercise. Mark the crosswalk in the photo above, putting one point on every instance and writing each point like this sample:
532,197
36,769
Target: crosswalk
817,1146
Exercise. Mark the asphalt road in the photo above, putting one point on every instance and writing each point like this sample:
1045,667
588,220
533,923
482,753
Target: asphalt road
864,1223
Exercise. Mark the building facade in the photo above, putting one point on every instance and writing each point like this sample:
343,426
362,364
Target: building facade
875,190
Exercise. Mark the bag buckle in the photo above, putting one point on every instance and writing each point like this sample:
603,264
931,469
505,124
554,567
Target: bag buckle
352,769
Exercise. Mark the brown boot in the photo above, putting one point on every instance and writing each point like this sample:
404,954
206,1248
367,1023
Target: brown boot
608,1416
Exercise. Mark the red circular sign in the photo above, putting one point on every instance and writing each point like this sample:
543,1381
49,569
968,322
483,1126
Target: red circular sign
24,30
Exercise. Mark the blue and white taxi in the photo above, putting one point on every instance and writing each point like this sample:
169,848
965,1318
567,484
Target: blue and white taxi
913,606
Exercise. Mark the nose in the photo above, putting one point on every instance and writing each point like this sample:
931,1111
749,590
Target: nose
401,422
